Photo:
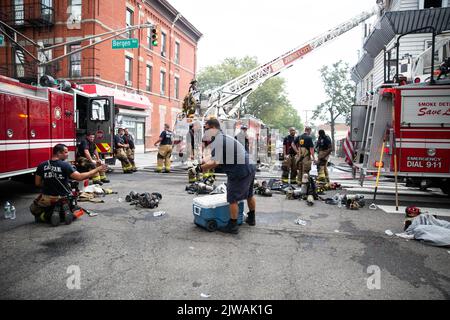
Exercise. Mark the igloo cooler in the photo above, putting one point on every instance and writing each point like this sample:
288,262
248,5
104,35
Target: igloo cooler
213,211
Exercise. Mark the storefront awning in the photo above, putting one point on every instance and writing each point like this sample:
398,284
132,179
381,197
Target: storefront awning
126,99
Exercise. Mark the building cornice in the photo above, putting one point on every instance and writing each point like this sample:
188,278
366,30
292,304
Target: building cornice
164,8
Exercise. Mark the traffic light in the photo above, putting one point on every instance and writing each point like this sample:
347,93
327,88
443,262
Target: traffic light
154,34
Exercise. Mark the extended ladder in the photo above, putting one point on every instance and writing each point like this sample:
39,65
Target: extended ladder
241,87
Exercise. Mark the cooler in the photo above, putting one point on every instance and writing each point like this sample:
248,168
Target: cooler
213,211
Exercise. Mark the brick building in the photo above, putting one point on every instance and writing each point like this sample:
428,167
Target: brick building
148,83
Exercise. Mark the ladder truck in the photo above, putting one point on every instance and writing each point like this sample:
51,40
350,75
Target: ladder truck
412,122
225,101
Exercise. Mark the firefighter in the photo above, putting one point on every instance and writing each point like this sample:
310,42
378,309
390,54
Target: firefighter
304,148
242,137
289,165
189,102
128,138
164,150
88,159
120,151
53,176
324,148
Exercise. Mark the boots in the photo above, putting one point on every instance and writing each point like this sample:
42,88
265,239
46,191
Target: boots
251,218
232,227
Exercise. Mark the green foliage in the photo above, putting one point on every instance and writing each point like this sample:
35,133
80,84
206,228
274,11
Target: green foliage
340,93
268,103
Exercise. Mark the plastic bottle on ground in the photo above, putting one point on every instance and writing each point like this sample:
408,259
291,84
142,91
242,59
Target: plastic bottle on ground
7,210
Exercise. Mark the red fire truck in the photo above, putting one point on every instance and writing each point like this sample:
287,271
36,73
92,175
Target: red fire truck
34,119
413,122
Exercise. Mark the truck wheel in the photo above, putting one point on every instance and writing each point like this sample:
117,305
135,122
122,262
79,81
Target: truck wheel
211,225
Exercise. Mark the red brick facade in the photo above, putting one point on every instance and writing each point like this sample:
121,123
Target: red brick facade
104,66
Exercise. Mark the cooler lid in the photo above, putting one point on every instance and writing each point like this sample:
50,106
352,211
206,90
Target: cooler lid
211,201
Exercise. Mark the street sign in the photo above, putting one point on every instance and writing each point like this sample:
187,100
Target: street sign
2,40
125,44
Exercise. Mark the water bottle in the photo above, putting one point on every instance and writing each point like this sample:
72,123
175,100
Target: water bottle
12,213
7,209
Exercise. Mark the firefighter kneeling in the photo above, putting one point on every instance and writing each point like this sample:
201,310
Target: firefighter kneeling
88,159
120,148
324,147
55,205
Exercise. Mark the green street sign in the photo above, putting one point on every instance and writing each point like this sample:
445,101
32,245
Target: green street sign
2,40
125,44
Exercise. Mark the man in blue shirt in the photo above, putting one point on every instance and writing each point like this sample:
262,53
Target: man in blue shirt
230,155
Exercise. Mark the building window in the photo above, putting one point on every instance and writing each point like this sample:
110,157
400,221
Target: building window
46,9
19,68
177,88
177,52
75,9
128,71
163,44
18,12
432,4
162,81
129,21
75,61
148,78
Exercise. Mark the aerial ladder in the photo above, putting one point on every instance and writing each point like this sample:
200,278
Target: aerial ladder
226,100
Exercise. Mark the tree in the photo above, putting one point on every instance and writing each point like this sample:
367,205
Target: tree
340,93
268,103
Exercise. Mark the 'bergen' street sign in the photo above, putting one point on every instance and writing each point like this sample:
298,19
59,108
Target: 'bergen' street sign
125,44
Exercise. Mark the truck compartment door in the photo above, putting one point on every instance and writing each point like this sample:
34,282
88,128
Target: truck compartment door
39,132
17,142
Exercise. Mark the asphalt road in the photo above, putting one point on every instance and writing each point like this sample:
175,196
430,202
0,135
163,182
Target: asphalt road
127,253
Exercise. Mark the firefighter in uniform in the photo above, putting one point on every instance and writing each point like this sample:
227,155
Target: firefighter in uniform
190,102
120,151
53,176
128,138
289,164
164,150
304,147
324,148
242,137
88,159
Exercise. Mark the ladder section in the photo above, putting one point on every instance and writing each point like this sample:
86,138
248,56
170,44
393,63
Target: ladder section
251,80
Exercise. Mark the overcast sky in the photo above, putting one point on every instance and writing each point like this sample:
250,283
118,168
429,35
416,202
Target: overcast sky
268,28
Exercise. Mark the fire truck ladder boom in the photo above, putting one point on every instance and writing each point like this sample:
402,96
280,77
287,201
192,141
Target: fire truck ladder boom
248,82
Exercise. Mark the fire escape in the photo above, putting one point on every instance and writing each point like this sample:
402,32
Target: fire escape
26,17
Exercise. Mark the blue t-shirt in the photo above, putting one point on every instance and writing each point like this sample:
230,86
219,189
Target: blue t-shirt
51,170
232,157
166,136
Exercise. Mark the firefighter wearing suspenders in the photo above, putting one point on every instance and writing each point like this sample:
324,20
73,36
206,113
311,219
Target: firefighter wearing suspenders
304,147
88,159
289,164
164,150
324,147
120,151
